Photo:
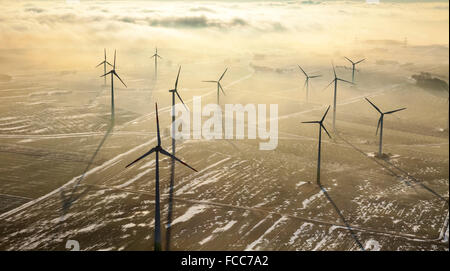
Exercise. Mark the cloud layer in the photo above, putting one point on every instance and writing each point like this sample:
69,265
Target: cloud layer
214,27
309,18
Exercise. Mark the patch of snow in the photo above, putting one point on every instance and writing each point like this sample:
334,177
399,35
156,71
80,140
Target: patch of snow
372,245
445,238
307,201
207,239
89,228
191,212
129,225
135,178
297,232
257,241
26,141
320,244
208,178
226,227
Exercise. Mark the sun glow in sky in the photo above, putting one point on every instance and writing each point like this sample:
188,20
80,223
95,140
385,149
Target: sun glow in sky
47,24
37,28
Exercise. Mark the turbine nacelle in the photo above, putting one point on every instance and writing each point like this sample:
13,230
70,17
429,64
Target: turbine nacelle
353,66
219,86
354,63
308,76
156,54
320,122
336,79
113,71
175,89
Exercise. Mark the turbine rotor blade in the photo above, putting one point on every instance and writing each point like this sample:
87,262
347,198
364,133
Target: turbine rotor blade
321,125
374,106
334,71
106,74
210,81
100,64
360,61
220,86
329,84
223,74
349,60
176,82
324,115
344,81
315,76
175,158
119,79
179,97
302,70
141,157
109,63
313,121
393,111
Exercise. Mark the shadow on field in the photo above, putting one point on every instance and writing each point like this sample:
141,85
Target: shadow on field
69,197
385,164
338,211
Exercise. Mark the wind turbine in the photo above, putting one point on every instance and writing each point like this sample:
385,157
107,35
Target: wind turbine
307,81
175,91
157,150
172,175
353,67
219,86
104,62
320,185
335,81
380,124
320,141
156,60
113,73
